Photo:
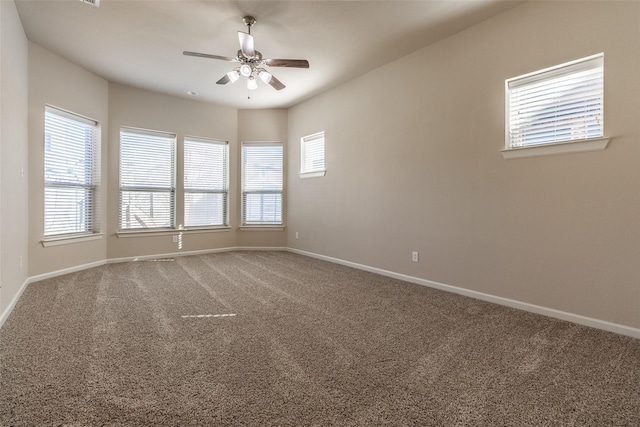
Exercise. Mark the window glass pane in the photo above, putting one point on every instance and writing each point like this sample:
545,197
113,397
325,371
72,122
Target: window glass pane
146,209
262,167
262,208
66,210
147,179
262,184
205,209
205,182
147,160
69,173
312,150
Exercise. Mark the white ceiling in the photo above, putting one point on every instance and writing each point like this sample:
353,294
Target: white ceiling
140,43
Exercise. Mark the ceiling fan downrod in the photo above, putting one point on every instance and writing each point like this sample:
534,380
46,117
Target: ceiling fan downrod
249,21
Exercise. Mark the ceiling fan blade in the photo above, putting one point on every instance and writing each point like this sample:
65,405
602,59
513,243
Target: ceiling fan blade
207,55
246,44
224,80
276,84
294,63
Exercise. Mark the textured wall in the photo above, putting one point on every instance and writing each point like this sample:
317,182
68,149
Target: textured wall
413,164
14,203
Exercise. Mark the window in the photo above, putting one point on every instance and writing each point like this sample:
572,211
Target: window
70,174
205,182
262,184
557,105
312,155
147,179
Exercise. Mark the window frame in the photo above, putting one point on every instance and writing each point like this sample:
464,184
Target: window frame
90,148
244,224
171,189
306,155
202,190
555,145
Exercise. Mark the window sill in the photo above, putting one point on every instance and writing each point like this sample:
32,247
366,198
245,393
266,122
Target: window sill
261,228
67,240
581,146
172,231
313,174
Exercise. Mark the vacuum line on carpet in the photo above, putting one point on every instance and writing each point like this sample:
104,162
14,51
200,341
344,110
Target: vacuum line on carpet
208,315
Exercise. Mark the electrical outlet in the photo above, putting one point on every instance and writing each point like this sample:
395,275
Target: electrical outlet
414,256
297,235
175,239
20,262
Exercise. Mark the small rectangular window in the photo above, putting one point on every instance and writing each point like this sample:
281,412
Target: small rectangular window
206,191
262,183
147,179
559,104
70,173
312,155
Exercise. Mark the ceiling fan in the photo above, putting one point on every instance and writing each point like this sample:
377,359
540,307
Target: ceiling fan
251,62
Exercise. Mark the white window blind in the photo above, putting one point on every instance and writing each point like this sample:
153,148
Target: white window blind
262,183
559,104
312,153
70,173
205,182
147,179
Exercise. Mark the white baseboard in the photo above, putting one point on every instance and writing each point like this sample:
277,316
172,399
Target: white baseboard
558,314
550,312
73,269
7,311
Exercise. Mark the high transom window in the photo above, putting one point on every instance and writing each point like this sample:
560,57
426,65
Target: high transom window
556,105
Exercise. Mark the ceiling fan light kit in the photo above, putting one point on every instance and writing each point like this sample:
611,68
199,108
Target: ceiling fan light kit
251,62
251,83
265,76
234,75
246,70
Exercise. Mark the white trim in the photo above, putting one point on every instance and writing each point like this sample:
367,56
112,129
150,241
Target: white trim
73,269
7,311
566,68
312,174
545,311
52,109
67,240
581,146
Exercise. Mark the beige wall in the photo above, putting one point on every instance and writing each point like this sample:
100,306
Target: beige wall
60,83
413,164
14,167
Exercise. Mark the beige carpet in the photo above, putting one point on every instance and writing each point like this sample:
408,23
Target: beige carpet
278,339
